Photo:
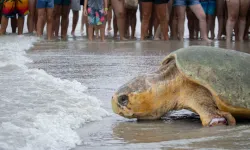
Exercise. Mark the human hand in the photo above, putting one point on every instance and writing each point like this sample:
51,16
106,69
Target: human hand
105,11
85,12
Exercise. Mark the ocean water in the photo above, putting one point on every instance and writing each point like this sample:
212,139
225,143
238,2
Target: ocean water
37,110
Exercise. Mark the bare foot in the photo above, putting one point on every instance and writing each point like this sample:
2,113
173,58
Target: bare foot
212,36
207,40
109,28
64,37
123,39
228,40
73,33
156,38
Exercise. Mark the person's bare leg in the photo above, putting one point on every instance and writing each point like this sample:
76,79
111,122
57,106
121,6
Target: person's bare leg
210,25
32,9
49,23
90,32
102,32
96,31
86,23
115,27
170,6
146,14
244,7
4,24
157,33
153,24
196,27
233,13
13,24
200,14
44,20
170,23
180,10
161,10
133,23
127,22
75,20
236,30
220,12
109,19
82,21
119,9
155,20
190,19
20,23
247,26
174,24
41,12
56,21
224,31
65,21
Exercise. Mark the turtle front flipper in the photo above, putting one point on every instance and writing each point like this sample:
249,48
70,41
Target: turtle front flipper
224,119
198,99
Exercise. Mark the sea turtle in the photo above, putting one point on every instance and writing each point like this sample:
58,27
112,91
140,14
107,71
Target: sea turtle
212,82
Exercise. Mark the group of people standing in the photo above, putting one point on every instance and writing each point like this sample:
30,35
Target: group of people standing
159,18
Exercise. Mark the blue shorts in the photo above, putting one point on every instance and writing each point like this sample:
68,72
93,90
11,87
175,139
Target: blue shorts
45,4
209,6
186,2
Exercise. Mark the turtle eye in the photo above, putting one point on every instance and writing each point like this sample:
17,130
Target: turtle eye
123,100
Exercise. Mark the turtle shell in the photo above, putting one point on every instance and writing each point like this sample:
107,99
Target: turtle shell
226,73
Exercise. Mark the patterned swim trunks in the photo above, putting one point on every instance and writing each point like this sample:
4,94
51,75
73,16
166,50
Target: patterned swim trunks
13,7
95,17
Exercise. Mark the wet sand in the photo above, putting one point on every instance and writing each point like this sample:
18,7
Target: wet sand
103,67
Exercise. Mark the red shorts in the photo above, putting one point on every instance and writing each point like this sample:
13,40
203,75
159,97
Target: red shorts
13,7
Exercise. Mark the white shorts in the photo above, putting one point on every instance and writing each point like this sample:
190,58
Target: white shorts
75,5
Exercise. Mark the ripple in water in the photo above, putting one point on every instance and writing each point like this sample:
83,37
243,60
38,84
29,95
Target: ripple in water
37,110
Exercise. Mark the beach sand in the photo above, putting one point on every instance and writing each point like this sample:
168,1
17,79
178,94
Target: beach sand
52,109
103,67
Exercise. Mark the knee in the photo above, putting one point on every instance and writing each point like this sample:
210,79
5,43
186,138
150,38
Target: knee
49,19
163,19
41,15
233,18
242,18
121,15
180,17
146,16
202,18
65,16
31,15
57,13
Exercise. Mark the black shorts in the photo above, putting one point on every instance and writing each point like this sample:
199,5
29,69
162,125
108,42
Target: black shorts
156,1
81,2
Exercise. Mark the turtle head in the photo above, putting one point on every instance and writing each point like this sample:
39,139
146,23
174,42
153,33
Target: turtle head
135,99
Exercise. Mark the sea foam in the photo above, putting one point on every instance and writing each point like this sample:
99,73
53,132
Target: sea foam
37,110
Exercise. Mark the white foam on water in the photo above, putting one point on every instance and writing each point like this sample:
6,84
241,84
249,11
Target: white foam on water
37,110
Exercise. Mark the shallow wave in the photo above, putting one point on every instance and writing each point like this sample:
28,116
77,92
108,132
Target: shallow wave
37,110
